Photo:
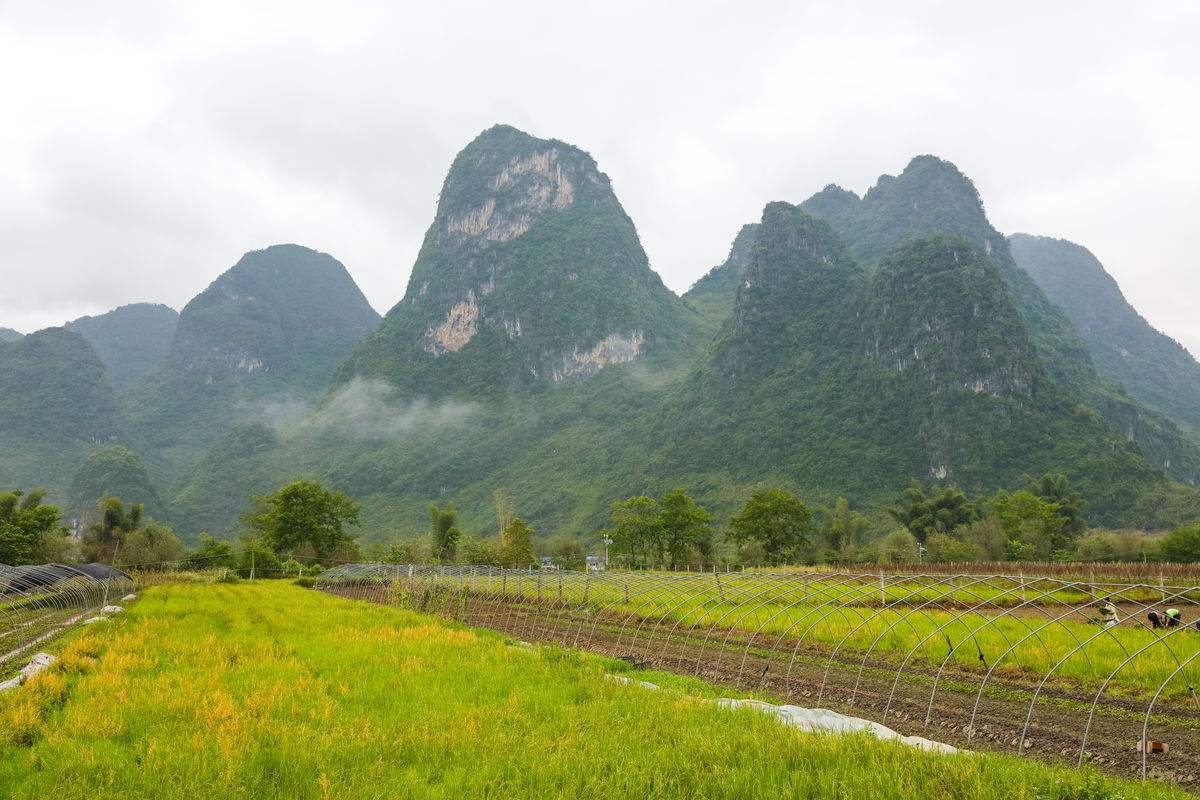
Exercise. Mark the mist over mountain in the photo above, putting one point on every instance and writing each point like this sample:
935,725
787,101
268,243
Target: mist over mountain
9,335
1153,367
274,326
130,339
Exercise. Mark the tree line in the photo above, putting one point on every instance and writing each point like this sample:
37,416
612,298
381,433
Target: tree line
304,525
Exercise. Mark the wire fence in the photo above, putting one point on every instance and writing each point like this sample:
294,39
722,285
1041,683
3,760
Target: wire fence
1059,669
40,601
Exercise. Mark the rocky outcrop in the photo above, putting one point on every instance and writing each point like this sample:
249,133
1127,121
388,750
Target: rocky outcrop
530,275
615,348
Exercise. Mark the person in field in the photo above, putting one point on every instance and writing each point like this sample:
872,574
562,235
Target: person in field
1171,618
1108,615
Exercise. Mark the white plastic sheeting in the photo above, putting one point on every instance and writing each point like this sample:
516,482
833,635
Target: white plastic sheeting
815,720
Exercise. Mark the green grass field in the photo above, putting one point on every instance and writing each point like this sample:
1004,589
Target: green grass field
849,616
271,691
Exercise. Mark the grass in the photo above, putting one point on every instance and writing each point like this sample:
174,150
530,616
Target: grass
849,616
271,691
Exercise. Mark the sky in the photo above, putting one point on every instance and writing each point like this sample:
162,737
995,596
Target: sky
144,146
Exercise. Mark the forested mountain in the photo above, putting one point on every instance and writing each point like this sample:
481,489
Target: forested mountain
9,335
1153,367
266,335
932,197
130,339
714,293
845,345
830,374
846,356
531,275
56,403
113,471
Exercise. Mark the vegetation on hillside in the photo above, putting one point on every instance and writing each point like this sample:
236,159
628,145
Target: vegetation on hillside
264,338
271,691
56,403
30,530
130,339
530,265
113,471
1154,368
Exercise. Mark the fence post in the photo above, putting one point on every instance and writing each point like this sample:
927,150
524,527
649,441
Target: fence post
1021,574
720,589
882,590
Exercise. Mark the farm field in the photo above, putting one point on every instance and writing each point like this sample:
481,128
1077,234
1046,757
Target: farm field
949,658
268,690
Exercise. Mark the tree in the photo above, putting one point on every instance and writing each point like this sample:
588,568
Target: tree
568,553
942,510
474,550
843,527
1033,526
899,547
211,554
256,558
946,547
443,527
102,540
683,523
516,544
778,520
986,537
301,513
1182,545
152,545
407,551
26,526
1055,488
635,533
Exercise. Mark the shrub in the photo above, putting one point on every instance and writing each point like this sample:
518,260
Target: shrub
306,582
1182,545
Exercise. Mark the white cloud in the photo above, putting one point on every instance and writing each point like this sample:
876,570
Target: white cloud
363,409
147,146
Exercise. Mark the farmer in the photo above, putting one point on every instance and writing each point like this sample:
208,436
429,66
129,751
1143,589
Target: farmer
1156,619
1108,615
1173,618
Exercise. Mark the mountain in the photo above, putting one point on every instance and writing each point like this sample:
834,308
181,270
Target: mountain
932,197
56,403
1153,367
9,335
844,346
130,339
714,293
828,374
264,338
113,471
531,276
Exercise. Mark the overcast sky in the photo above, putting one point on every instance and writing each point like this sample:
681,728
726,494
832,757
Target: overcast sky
145,146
